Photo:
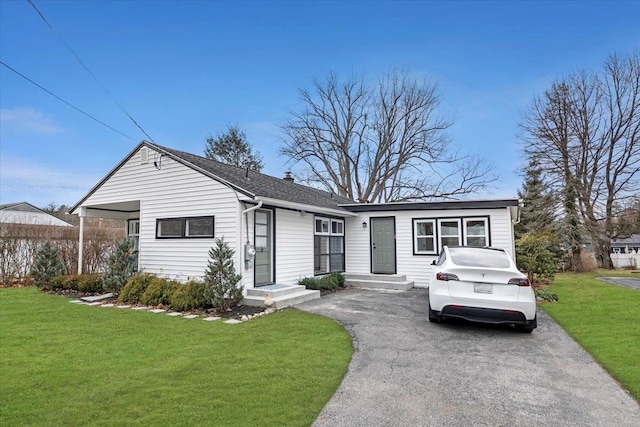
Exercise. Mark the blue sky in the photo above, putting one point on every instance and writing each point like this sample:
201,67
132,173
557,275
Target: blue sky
185,70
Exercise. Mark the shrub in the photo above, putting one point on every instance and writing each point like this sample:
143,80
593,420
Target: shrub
119,267
328,282
310,283
47,265
135,287
188,297
535,255
90,283
159,292
546,295
71,282
220,278
57,282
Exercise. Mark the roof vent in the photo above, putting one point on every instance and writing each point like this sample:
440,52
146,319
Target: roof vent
288,177
144,155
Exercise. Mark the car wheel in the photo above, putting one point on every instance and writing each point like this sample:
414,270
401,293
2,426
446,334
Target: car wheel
529,327
433,317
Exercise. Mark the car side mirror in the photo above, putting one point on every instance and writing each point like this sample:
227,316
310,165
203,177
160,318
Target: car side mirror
433,262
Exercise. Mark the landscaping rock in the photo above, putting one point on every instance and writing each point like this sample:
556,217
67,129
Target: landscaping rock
211,319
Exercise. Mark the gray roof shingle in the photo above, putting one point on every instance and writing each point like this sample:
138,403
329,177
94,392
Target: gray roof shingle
258,184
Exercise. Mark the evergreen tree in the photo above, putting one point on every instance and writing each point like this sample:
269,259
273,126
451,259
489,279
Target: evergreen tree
221,279
119,266
537,215
233,149
46,266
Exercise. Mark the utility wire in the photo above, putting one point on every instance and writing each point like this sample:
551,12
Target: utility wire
60,99
88,70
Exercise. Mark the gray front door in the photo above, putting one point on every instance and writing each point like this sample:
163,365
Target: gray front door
383,245
263,243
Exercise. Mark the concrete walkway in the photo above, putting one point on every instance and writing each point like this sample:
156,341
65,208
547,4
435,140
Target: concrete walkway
629,282
406,371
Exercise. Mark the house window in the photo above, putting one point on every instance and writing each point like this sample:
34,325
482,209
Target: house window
450,233
328,246
180,228
424,236
475,232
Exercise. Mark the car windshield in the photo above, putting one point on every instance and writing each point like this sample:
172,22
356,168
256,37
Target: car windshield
477,257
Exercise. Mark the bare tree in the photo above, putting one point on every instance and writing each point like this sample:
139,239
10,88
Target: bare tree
231,147
379,143
585,132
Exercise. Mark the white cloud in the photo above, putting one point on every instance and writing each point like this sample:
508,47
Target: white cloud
25,181
27,120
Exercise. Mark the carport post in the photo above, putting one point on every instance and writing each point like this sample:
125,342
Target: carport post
81,238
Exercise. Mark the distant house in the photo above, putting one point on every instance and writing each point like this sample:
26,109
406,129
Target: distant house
625,252
177,203
26,213
23,228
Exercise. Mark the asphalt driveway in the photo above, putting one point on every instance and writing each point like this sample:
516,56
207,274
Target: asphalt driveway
406,371
629,282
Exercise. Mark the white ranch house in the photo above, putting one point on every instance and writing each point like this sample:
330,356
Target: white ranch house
177,203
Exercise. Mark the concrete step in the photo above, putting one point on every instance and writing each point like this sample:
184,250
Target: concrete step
275,290
380,277
282,301
379,284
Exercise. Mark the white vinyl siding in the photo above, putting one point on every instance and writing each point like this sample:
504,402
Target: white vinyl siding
174,191
294,246
417,267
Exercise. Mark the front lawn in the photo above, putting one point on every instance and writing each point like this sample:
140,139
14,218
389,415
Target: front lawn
68,364
604,318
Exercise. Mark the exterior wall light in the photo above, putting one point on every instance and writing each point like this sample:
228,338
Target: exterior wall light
364,224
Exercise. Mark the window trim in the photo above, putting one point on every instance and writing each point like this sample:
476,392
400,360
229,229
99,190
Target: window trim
417,221
486,230
441,235
330,235
183,228
438,231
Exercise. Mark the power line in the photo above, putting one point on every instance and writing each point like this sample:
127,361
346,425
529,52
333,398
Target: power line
88,70
66,102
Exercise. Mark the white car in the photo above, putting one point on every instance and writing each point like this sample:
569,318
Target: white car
481,285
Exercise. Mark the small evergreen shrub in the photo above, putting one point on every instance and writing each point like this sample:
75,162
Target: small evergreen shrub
310,283
90,283
119,267
46,266
220,278
546,295
135,287
327,282
57,283
71,282
159,292
188,297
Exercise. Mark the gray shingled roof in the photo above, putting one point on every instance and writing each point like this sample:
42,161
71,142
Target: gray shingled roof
258,184
634,239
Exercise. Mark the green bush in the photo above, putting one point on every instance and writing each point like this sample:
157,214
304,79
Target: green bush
159,292
546,295
135,287
71,282
46,266
57,282
536,256
188,297
90,283
310,283
327,282
220,278
119,267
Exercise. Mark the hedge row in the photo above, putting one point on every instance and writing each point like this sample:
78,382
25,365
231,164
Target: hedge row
328,282
150,290
85,283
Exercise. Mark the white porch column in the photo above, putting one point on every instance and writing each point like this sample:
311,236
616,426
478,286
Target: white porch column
83,212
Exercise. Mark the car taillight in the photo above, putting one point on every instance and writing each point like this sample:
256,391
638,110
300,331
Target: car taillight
446,277
520,281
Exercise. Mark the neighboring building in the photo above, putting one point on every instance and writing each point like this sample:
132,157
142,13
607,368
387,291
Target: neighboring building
177,203
26,213
625,252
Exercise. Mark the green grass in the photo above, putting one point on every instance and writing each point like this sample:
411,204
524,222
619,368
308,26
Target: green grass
67,364
604,318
